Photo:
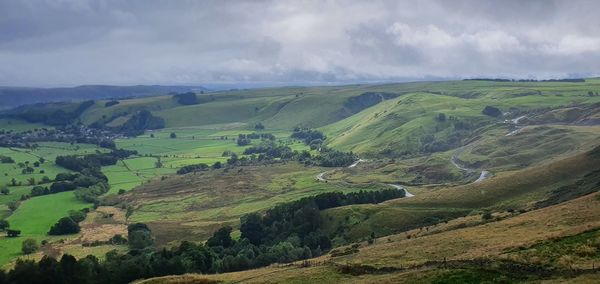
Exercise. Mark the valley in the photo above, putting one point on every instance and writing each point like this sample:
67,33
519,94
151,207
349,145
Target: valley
407,182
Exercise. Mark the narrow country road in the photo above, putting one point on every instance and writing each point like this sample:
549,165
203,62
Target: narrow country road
458,164
396,186
321,177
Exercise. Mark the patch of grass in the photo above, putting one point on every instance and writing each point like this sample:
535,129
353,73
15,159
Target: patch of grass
34,217
566,252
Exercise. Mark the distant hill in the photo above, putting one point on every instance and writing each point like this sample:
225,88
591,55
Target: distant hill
15,96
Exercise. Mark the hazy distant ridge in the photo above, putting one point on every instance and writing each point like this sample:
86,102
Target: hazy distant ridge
16,96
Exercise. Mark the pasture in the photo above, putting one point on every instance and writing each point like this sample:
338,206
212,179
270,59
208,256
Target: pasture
34,217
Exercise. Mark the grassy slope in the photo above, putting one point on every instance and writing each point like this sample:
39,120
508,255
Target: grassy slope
490,240
399,123
506,190
194,205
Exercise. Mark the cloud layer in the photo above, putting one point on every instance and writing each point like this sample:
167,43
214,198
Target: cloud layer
70,42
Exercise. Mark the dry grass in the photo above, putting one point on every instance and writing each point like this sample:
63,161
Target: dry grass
486,240
489,240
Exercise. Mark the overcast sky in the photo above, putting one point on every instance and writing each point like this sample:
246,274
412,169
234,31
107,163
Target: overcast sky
72,42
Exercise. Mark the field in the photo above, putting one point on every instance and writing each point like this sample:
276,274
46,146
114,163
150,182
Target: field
191,146
34,217
192,206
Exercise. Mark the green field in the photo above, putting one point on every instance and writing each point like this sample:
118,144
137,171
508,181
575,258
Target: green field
34,217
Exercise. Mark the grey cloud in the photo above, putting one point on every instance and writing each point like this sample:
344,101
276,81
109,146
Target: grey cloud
69,42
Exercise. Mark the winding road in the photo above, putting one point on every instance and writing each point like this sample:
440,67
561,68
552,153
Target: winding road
457,163
454,160
321,177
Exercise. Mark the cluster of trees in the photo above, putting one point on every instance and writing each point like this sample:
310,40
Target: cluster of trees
141,121
334,158
270,149
309,136
246,139
111,103
6,160
242,140
93,161
192,168
366,100
69,224
188,98
492,111
269,152
89,181
288,232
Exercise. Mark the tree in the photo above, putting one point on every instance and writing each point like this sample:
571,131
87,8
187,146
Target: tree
29,246
64,226
441,117
492,111
13,233
173,135
217,165
4,225
129,212
13,205
252,228
31,181
188,98
77,215
4,190
486,216
139,236
259,126
45,179
221,237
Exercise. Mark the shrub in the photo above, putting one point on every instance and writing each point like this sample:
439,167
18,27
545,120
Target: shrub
64,226
111,103
139,236
486,216
492,111
29,246
13,233
188,98
4,225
